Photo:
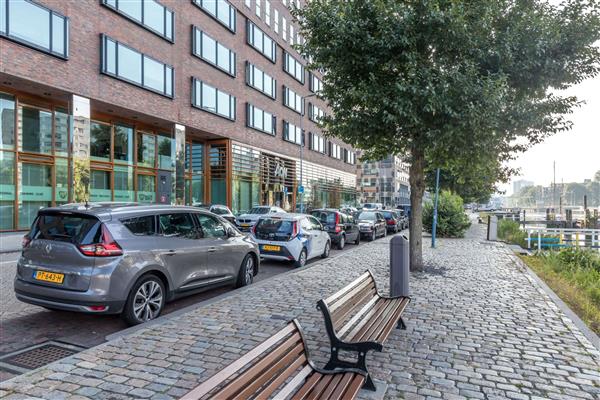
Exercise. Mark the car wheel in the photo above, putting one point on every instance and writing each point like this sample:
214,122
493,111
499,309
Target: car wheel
385,232
357,241
301,261
373,235
341,243
145,301
327,249
247,270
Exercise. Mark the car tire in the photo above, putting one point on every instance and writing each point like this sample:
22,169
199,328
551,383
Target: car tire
341,243
385,232
357,241
373,235
326,250
247,271
301,261
150,283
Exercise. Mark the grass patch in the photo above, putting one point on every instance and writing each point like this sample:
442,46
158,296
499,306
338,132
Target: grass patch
574,275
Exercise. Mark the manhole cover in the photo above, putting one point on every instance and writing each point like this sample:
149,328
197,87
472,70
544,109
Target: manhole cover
37,356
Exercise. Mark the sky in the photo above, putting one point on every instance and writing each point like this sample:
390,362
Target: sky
576,152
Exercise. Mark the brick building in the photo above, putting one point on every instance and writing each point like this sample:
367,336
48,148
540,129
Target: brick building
384,181
170,101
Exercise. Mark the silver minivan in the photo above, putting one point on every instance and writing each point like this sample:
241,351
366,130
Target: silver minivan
129,259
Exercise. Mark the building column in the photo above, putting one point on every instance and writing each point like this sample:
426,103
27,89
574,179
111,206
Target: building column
179,164
80,117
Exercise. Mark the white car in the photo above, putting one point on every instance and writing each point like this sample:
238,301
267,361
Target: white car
291,237
372,206
246,221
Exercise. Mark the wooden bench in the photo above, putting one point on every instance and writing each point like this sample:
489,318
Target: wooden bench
358,319
280,368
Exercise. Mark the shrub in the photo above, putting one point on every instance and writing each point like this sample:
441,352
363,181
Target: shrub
509,231
452,220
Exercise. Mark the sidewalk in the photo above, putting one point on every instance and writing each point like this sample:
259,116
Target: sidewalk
10,242
478,327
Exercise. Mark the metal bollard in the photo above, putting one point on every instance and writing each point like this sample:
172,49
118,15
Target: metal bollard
399,266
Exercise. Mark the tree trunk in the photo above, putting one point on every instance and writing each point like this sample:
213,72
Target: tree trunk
417,188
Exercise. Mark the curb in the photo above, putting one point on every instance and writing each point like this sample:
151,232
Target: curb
9,251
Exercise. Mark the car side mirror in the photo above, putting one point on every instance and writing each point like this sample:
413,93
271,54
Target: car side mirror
230,232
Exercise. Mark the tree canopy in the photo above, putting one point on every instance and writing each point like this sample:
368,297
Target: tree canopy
446,82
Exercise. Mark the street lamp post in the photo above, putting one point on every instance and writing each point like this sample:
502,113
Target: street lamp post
302,149
435,207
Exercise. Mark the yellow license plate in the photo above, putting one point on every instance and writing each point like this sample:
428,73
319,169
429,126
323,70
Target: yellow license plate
49,276
271,248
244,225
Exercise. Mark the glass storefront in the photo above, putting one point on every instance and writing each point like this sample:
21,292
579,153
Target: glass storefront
245,184
7,190
35,191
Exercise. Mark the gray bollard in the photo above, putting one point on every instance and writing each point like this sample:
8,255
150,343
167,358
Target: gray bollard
399,266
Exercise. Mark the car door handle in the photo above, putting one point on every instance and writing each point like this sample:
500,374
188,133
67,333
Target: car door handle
170,253
212,249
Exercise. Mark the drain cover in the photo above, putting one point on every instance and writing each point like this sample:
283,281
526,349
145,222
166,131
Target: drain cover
37,356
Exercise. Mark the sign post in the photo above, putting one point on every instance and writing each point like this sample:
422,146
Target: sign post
435,207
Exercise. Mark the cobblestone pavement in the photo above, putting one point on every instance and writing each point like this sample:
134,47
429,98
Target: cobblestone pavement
478,327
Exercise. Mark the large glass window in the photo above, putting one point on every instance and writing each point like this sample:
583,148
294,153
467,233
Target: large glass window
100,137
124,183
292,100
261,41
149,13
7,122
293,67
335,151
7,190
292,133
123,62
260,80
100,187
213,100
260,119
146,150
35,191
166,152
35,130
315,113
317,143
123,144
314,84
213,52
177,225
35,25
221,10
61,132
146,188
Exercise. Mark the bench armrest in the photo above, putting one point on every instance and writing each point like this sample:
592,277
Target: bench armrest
361,347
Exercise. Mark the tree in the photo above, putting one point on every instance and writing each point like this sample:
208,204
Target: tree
452,220
443,81
597,176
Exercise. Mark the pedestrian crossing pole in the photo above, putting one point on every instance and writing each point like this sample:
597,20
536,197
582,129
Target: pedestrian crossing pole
435,206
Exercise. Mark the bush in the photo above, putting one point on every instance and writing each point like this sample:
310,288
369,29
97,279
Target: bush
509,231
452,220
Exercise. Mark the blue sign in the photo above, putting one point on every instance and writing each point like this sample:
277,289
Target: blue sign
300,189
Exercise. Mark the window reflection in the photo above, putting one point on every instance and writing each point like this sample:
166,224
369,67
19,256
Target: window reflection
35,130
99,142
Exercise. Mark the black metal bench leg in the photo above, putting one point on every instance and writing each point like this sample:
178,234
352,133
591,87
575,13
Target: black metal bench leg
401,324
369,384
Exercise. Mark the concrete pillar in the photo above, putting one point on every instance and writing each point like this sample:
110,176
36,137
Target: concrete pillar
179,164
80,145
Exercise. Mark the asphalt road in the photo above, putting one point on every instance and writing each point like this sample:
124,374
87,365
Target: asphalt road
23,325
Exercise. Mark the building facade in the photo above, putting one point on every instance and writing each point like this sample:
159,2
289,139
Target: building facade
520,184
384,181
170,101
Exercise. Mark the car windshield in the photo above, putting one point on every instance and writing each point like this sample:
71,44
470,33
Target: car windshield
324,217
274,229
369,205
388,214
367,216
259,210
220,210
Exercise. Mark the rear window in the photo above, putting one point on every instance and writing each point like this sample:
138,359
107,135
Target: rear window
73,228
388,214
219,210
276,229
259,210
324,217
368,216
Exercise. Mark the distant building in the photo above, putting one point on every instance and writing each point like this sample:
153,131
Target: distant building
520,184
384,181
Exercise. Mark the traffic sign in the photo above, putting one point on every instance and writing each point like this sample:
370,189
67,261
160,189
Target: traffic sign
300,189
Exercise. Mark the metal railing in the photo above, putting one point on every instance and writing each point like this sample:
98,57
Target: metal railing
550,238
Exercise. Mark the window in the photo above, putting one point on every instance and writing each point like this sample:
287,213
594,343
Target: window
123,144
166,152
141,226
213,52
284,28
317,143
257,8
260,120
349,157
125,63
292,34
247,3
276,22
335,151
292,100
61,132
267,12
7,121
221,10
149,13
292,133
213,100
100,137
146,188
315,85
179,225
315,113
211,228
260,80
293,67
261,41
35,26
35,130
100,185
146,150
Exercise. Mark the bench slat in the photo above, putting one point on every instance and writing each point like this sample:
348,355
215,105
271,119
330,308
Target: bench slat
271,387
347,297
354,387
393,321
292,385
382,318
316,392
346,288
352,335
343,312
214,381
307,387
331,387
341,388
342,331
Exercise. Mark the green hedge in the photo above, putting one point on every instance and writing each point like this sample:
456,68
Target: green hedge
452,220
509,231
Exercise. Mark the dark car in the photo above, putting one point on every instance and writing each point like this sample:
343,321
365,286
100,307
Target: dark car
393,221
372,224
342,228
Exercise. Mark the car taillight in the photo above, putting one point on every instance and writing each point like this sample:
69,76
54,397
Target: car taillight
253,229
294,230
338,227
107,248
391,222
26,241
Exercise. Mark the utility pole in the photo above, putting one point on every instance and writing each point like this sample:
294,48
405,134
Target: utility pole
435,207
554,188
302,150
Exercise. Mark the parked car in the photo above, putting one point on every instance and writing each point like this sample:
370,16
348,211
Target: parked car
293,237
372,206
219,209
403,218
129,260
246,221
372,224
342,228
393,221
348,210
